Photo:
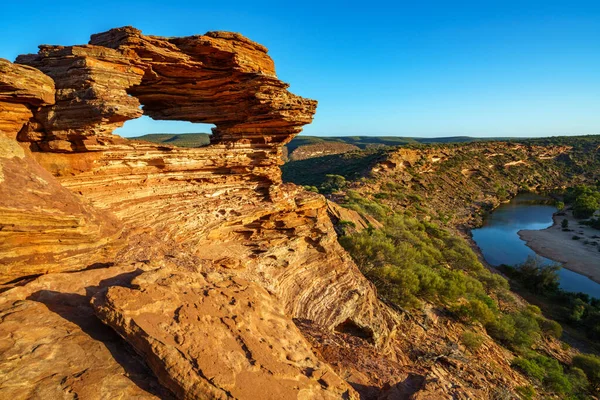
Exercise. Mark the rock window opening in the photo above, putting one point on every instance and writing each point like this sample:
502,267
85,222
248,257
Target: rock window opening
174,133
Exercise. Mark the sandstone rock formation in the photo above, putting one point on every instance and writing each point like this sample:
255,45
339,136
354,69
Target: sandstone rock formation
136,270
52,346
206,337
22,89
227,254
221,78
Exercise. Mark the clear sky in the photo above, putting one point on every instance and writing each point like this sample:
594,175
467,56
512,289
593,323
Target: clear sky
405,68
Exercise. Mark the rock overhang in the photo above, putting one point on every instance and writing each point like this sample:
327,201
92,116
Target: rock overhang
221,78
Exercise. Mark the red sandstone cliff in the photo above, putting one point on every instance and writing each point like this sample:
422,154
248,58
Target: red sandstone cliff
197,258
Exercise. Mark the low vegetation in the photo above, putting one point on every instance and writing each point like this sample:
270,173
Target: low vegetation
412,261
417,257
578,310
179,140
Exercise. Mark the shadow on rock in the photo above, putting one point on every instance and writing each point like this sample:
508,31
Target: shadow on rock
76,308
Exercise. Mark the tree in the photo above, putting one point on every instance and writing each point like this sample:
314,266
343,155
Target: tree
539,278
333,183
585,206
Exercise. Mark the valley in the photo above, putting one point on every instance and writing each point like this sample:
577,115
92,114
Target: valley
256,263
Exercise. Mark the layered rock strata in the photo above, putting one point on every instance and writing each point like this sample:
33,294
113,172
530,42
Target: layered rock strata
53,347
212,330
226,255
220,78
22,91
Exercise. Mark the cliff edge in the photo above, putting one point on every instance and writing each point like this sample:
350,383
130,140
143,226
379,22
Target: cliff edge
137,270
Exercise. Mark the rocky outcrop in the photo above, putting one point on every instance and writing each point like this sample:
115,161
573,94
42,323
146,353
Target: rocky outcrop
478,175
91,98
52,346
226,255
321,149
44,227
22,90
358,222
208,336
138,270
221,78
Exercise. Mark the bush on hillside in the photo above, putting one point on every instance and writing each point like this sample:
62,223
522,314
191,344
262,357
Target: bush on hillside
590,364
471,340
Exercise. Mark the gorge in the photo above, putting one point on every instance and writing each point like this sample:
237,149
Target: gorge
140,270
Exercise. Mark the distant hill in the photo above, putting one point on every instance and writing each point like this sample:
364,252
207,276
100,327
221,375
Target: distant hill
180,139
373,141
202,139
324,144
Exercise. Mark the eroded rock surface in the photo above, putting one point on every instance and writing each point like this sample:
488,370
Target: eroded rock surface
208,337
135,270
227,254
53,347
221,78
22,90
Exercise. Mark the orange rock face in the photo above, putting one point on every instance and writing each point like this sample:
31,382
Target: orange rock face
226,255
221,78
136,270
204,337
22,90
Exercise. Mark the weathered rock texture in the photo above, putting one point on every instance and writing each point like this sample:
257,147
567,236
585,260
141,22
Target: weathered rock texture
136,270
211,330
53,347
22,90
44,227
221,78
227,254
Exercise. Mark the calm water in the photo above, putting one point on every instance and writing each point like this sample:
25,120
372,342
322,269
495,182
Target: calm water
500,243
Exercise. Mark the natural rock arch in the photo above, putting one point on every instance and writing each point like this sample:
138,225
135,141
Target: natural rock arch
220,78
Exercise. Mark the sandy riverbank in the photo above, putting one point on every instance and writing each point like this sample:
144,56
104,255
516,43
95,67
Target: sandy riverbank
581,256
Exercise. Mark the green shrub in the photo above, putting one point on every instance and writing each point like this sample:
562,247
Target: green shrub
537,277
550,327
590,365
526,392
549,372
502,329
557,382
506,296
471,340
529,368
578,379
493,282
585,205
527,330
333,183
476,310
533,309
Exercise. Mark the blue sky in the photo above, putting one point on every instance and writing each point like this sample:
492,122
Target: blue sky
418,68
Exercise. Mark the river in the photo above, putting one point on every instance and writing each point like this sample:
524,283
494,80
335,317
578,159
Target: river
500,244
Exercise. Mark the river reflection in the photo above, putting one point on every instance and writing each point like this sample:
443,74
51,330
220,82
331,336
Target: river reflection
500,243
